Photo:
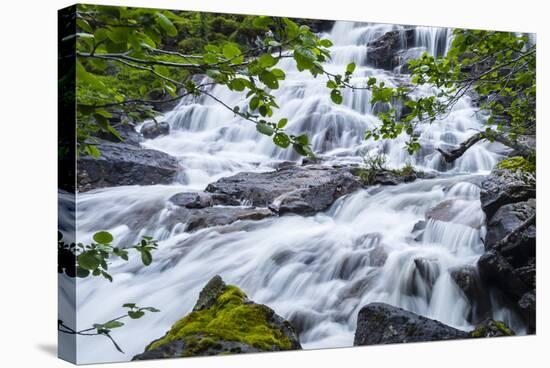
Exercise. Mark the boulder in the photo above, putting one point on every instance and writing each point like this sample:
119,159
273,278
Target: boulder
504,222
224,321
450,211
125,164
380,323
192,200
468,281
199,218
293,189
153,129
527,306
491,328
384,51
497,271
503,187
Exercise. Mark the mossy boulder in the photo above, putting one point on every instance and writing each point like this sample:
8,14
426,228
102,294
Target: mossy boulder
491,328
224,321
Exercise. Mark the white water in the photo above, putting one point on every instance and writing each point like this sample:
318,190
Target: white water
316,271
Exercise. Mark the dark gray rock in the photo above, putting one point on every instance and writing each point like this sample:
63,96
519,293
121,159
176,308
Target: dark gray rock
380,323
505,221
210,293
200,218
295,189
192,200
153,129
468,280
503,187
527,306
125,164
383,52
449,211
496,270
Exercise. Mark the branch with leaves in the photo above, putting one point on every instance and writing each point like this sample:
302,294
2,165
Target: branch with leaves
135,44
84,260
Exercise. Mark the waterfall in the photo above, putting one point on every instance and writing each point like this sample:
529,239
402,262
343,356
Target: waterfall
316,271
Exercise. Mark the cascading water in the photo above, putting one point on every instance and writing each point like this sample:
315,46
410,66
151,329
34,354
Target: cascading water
317,271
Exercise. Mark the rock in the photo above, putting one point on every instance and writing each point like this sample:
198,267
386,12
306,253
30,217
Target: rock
380,323
125,164
497,271
469,282
199,218
383,52
152,129
224,321
192,200
210,293
491,328
450,211
527,306
503,187
505,221
294,189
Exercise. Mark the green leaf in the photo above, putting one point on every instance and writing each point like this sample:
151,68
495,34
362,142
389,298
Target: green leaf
267,61
265,129
262,22
281,140
282,123
166,25
128,305
135,314
336,96
278,73
103,237
89,260
302,139
151,309
325,43
269,79
82,272
350,68
146,257
230,51
113,324
93,151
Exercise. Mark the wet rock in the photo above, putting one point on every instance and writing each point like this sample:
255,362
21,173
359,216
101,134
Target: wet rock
384,51
380,323
192,200
527,305
503,187
491,328
224,321
125,164
418,230
153,129
505,221
199,218
469,282
296,189
450,211
497,271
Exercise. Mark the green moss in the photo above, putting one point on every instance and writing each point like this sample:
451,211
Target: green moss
517,163
229,319
503,328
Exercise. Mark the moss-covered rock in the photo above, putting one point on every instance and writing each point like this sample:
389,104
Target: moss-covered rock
491,328
224,321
